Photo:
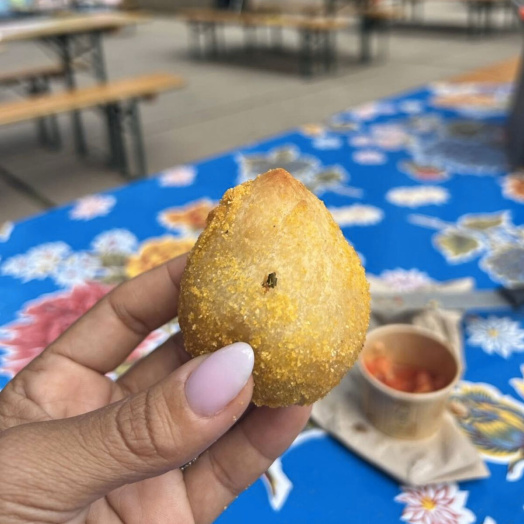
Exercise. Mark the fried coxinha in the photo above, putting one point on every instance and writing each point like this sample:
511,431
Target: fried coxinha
273,269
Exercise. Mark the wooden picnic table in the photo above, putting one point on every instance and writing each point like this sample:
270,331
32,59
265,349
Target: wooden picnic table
317,31
73,37
479,13
505,71
36,28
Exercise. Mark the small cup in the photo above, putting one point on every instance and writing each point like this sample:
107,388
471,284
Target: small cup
401,414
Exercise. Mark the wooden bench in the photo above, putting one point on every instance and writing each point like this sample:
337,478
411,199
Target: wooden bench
317,32
29,74
119,99
36,81
501,72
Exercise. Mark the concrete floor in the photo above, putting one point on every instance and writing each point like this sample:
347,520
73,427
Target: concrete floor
224,105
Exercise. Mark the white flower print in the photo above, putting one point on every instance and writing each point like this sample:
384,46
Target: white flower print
177,176
77,269
405,279
369,157
325,142
372,110
416,196
446,89
115,241
92,206
502,336
5,231
390,137
437,504
360,141
38,263
411,106
17,267
357,215
277,485
44,259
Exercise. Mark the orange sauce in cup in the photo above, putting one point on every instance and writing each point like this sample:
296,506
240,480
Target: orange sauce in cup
402,377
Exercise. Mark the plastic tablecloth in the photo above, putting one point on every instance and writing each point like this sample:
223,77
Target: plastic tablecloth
419,185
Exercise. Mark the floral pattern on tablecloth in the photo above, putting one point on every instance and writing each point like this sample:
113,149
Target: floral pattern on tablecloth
177,176
437,504
403,280
493,237
92,206
494,422
419,185
496,335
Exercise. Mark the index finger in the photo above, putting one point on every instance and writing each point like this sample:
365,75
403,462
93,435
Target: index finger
108,333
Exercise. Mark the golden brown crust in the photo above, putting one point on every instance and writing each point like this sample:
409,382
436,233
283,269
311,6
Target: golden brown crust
307,325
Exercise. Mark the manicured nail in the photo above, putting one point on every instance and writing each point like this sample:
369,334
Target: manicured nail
219,379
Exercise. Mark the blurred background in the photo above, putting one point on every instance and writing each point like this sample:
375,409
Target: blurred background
248,82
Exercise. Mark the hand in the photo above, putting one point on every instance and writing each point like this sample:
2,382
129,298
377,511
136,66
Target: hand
77,447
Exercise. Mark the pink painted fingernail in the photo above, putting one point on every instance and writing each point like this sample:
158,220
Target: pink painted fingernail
219,379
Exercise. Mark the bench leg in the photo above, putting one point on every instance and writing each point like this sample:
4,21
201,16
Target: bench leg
78,130
488,17
333,50
138,139
127,117
43,137
64,44
119,151
306,53
385,32
276,37
221,39
100,71
194,40
55,140
34,89
112,138
250,38
55,132
474,18
213,39
366,31
327,41
47,136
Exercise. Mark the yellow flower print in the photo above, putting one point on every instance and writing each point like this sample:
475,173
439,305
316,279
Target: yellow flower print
156,251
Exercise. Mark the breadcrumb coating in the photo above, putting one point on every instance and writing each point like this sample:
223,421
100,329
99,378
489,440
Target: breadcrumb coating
273,269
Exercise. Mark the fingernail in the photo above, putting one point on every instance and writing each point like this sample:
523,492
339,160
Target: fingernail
219,379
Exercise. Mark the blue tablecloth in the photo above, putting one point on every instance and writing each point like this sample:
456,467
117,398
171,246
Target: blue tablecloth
419,185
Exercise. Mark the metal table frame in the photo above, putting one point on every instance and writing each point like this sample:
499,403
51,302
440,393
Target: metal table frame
83,45
206,39
87,49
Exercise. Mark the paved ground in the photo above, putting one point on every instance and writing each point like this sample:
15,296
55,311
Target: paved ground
225,104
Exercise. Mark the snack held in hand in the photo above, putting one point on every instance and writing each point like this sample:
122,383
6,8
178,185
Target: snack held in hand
273,269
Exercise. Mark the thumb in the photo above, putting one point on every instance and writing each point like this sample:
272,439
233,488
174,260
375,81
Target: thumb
77,460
